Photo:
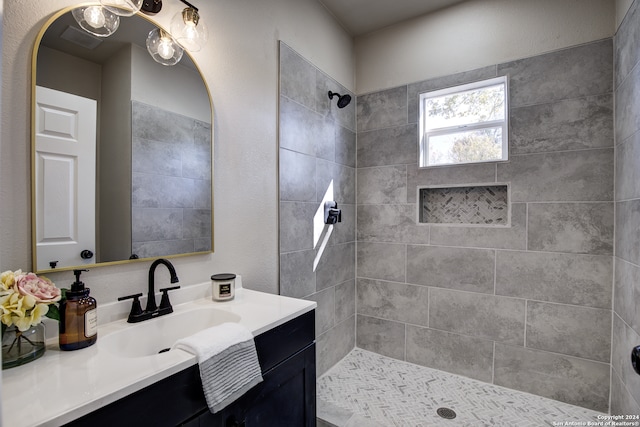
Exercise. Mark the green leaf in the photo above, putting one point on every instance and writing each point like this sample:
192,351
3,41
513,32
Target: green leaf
53,312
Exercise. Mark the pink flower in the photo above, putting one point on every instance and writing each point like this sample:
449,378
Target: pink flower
40,288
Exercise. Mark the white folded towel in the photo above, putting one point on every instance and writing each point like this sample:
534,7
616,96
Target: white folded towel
228,362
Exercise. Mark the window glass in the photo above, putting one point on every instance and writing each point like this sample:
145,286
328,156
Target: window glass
464,124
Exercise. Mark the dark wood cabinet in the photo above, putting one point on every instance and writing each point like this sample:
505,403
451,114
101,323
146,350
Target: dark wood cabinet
285,397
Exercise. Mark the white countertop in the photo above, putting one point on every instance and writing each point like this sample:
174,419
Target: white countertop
64,385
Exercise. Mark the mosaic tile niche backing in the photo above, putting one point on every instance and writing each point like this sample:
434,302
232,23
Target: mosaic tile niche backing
465,205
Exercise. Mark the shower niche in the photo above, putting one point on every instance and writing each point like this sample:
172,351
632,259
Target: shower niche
478,204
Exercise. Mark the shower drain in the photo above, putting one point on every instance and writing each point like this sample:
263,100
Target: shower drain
446,413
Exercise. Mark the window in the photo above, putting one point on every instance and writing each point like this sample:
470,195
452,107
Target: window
464,124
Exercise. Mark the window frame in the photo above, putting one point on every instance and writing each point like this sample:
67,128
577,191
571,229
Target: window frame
424,134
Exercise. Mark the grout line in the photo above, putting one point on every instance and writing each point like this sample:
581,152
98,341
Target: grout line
493,365
495,271
526,311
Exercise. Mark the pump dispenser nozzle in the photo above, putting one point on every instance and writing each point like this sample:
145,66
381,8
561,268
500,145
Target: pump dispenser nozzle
77,285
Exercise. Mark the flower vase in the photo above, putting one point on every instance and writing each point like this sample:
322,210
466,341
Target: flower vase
20,347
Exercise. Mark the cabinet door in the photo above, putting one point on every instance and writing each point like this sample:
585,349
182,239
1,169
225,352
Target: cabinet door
286,397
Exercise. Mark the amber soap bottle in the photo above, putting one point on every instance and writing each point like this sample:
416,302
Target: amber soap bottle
78,317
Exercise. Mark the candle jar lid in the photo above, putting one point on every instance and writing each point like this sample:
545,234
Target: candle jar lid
223,276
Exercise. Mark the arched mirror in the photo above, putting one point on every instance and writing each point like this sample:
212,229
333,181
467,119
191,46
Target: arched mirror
121,149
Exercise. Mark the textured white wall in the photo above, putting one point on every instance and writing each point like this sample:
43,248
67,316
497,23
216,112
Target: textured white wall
475,34
240,65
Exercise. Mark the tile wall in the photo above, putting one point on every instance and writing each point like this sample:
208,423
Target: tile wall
317,146
527,306
625,383
171,182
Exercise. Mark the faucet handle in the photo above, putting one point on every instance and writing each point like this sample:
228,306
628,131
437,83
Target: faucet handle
165,304
136,308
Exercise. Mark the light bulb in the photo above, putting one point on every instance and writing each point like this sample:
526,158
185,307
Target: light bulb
165,48
190,31
94,16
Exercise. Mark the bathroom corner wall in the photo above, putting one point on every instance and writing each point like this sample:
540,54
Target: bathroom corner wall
317,147
527,306
625,383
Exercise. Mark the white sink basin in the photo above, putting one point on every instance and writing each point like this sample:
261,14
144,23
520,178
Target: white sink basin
150,337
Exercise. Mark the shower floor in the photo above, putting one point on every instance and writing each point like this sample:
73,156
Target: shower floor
368,390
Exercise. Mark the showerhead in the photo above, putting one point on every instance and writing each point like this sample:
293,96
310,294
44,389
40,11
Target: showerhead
343,100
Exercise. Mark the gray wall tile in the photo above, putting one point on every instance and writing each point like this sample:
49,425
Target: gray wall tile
482,316
481,173
163,247
623,341
583,228
344,181
297,176
297,77
627,293
334,344
155,124
390,146
564,378
415,89
196,223
345,146
571,124
202,193
453,268
382,109
585,176
511,237
317,146
296,226
458,354
627,44
325,311
156,224
576,331
382,185
381,261
391,223
301,129
149,156
346,300
622,403
628,106
568,73
563,278
345,231
381,336
337,265
393,301
343,116
627,170
297,278
628,230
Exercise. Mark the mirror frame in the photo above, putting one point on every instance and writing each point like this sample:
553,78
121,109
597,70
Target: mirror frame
34,63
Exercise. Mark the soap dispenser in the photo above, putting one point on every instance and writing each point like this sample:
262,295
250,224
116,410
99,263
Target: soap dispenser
78,317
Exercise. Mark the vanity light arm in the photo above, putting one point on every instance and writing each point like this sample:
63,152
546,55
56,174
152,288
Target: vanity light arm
190,5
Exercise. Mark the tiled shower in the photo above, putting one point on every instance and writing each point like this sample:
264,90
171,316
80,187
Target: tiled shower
526,306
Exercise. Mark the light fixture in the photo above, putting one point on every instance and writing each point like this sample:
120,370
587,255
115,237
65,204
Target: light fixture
163,48
122,7
96,20
188,29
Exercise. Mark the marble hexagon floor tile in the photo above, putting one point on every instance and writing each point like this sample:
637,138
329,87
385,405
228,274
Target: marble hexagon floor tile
365,389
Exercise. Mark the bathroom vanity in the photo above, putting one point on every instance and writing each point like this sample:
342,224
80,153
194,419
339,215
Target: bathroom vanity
101,386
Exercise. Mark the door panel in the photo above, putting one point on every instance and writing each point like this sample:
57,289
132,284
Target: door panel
64,172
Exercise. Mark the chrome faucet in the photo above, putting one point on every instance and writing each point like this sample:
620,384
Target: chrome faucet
152,310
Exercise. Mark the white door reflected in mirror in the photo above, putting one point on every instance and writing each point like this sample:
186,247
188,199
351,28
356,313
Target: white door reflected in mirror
65,158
